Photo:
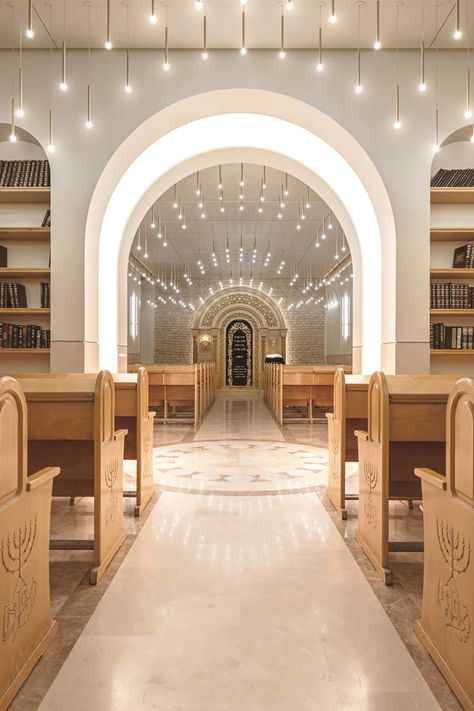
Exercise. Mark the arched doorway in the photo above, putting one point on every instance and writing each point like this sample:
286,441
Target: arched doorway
235,125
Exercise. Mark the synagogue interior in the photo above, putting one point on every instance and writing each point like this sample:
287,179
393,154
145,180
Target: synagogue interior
236,355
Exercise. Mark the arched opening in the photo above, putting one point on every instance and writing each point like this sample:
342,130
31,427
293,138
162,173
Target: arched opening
231,126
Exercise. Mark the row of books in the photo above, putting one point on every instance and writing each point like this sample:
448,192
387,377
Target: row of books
457,338
455,178
464,257
47,218
45,294
24,174
447,295
29,336
12,295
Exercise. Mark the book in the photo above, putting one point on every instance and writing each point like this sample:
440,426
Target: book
3,256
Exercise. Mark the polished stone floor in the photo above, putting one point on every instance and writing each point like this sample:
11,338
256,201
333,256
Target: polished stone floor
236,599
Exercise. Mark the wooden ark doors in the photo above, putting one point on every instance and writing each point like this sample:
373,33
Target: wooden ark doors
239,362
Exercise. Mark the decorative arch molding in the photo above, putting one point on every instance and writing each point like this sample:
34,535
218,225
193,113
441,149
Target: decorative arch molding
235,125
235,297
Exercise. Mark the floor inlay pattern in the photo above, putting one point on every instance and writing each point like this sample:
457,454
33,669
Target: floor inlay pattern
239,467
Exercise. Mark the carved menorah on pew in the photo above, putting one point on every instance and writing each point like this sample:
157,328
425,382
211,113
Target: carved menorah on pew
15,552
457,556
371,475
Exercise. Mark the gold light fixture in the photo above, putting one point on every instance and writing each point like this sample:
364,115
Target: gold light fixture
358,87
377,43
12,136
108,41
422,84
128,86
457,34
63,84
51,146
243,48
436,146
282,53
152,18
204,54
320,65
166,62
89,123
332,16
468,111
29,29
397,123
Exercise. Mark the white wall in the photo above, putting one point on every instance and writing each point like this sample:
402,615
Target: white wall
403,157
339,319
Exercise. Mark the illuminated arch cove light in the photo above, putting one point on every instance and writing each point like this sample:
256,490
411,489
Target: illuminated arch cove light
235,130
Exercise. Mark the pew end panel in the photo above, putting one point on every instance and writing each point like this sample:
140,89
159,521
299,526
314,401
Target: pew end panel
446,627
27,628
372,523
145,420
108,481
336,445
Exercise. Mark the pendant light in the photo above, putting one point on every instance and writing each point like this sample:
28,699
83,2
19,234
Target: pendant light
358,87
204,54
457,29
12,136
397,124
243,48
422,84
108,41
152,18
468,111
51,147
377,43
139,241
436,146
145,254
88,122
242,183
63,84
166,63
198,187
29,30
127,86
332,16
20,112
320,65
282,53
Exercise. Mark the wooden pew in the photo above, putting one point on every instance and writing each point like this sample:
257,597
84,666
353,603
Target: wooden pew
349,414
406,428
71,423
446,627
25,511
131,414
181,393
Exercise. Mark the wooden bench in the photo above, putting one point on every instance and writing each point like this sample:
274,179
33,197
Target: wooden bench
181,394
294,391
349,414
131,414
71,423
25,511
446,627
406,428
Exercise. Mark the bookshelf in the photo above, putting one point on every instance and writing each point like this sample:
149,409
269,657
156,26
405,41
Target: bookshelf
27,245
452,226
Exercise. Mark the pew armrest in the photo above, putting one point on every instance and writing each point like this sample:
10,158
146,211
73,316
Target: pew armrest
330,415
39,478
120,434
432,478
360,434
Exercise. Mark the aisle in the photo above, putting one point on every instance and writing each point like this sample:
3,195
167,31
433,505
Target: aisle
239,603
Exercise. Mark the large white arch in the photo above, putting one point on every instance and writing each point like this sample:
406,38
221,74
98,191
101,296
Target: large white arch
244,125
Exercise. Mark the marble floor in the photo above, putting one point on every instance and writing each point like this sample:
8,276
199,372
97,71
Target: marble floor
237,590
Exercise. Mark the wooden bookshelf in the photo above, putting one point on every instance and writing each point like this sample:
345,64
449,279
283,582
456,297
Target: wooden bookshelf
25,273
452,312
25,351
25,234
452,234
27,196
449,196
452,273
25,312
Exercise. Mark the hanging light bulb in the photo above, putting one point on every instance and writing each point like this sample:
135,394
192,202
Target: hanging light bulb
457,30
175,199
166,63
282,53
377,43
63,85
286,192
358,87
219,183
422,84
242,175
320,65
29,29
51,146
108,42
139,243
472,134
308,204
436,146
468,111
204,54
88,123
153,223
332,16
397,123
128,86
20,111
12,136
152,18
289,5
243,48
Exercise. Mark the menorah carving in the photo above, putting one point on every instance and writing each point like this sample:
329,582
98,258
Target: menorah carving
333,462
371,476
110,477
457,555
146,448
15,553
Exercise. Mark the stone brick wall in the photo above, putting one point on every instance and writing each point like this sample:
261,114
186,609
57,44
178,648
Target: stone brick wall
306,326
